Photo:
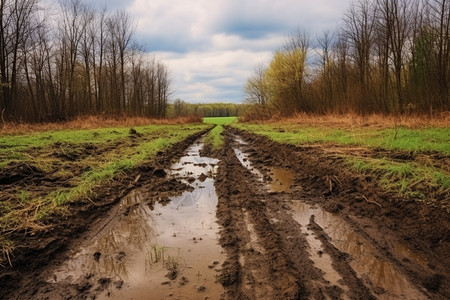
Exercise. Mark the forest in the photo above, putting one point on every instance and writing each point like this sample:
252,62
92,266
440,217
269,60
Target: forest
71,58
386,56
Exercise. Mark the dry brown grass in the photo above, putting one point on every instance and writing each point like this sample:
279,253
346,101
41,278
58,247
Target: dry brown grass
373,120
92,122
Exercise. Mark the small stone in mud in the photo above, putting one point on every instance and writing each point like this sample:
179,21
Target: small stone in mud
104,282
183,281
201,288
118,284
165,282
202,177
215,262
172,275
120,256
191,179
84,286
159,173
97,256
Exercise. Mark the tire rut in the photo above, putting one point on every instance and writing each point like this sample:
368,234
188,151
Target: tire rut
289,253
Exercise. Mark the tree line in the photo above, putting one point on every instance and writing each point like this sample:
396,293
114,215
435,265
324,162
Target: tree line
180,108
387,56
71,59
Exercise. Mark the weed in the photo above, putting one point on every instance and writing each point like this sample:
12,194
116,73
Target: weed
156,253
23,196
171,263
7,247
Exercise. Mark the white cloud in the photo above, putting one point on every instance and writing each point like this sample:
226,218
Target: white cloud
211,76
212,47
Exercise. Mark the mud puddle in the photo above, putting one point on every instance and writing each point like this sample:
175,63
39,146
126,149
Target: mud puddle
243,158
277,180
163,252
380,275
281,179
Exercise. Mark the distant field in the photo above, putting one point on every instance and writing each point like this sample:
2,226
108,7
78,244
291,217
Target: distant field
220,120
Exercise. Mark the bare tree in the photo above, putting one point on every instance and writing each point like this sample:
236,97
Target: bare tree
255,89
326,43
359,24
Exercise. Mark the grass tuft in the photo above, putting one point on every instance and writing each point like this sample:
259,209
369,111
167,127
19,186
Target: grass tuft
214,139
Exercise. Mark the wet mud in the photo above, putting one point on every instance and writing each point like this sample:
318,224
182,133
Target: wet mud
342,237
260,220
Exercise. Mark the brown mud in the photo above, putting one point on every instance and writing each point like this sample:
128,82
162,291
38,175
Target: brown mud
338,235
261,221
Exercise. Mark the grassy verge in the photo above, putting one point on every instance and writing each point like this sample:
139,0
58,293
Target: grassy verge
425,180
70,164
401,138
214,139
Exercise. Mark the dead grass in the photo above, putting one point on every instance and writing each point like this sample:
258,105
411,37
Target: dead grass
373,120
92,122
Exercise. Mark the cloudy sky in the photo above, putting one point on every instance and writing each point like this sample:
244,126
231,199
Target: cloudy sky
212,46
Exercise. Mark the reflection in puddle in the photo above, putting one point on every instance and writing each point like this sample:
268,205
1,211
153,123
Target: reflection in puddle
321,259
280,179
137,254
366,260
243,158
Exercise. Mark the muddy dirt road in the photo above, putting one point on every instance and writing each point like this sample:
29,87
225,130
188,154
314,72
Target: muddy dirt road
257,220
296,225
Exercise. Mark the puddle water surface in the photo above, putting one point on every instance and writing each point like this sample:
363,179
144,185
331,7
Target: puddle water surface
366,261
168,252
281,179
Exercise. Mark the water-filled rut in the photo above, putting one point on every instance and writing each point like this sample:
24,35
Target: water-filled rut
167,250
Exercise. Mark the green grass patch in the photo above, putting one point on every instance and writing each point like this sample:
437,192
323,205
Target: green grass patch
427,181
415,140
214,139
407,179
